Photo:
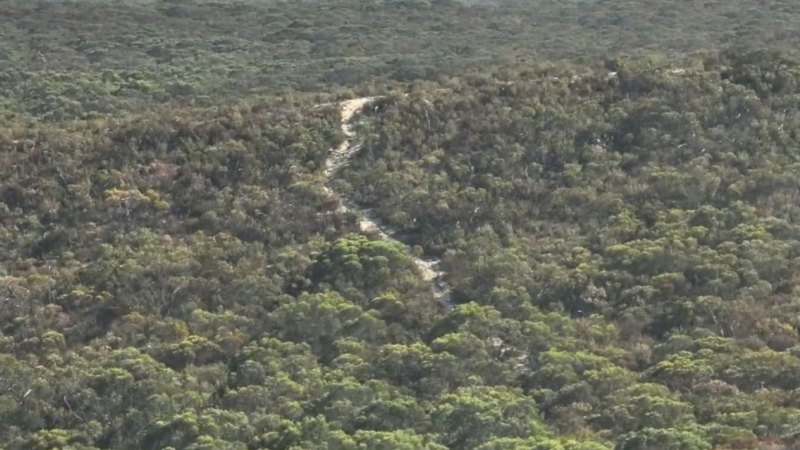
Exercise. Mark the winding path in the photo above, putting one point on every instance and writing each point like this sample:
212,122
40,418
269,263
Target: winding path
368,222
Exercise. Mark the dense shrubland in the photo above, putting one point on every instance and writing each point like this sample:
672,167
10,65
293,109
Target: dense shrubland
79,58
622,247
660,202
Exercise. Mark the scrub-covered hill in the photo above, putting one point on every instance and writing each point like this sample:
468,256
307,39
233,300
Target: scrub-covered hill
613,199
87,57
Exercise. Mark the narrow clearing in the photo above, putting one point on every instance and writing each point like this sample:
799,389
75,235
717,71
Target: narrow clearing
368,222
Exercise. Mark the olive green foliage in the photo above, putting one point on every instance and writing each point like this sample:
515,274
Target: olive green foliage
77,58
622,247
657,201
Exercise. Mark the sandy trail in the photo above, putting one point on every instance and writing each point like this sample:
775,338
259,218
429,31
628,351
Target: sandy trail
367,220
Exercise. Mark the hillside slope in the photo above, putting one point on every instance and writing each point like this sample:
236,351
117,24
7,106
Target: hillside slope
614,200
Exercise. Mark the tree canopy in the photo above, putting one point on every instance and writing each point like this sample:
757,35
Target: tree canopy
611,188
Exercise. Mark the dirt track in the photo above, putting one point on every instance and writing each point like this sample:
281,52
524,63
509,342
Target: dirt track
368,221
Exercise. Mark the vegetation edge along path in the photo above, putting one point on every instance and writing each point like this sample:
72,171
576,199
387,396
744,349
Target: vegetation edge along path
368,222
